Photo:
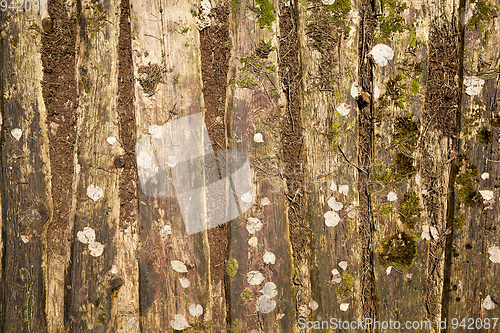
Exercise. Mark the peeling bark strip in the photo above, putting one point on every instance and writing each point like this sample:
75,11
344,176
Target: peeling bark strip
365,146
215,51
438,127
166,60
23,164
58,35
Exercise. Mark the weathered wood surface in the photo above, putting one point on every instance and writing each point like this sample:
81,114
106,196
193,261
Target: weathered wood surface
424,126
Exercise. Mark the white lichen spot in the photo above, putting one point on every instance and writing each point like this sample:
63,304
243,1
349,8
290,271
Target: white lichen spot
426,232
333,186
87,236
279,316
343,265
156,131
334,204
424,192
178,266
269,290
95,192
185,283
473,85
78,168
255,278
392,196
417,179
468,15
355,17
409,276
114,269
485,176
331,218
25,239
264,304
165,231
488,303
336,278
382,53
205,7
344,307
354,90
253,225
247,197
16,133
265,201
376,92
269,258
351,212
328,2
494,252
258,138
388,270
179,322
96,249
344,189
487,194
313,305
171,161
195,310
343,109
253,241
132,322
111,140
304,311
434,232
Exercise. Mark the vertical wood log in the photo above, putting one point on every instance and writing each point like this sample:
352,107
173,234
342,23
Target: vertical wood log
328,39
254,107
24,164
473,290
165,44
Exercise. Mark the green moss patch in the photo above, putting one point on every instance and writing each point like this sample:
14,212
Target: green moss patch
409,209
264,48
265,13
386,210
406,132
391,21
247,295
482,14
466,178
232,267
403,167
398,250
346,286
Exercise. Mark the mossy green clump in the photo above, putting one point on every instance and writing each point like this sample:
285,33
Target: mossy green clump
457,222
485,135
247,80
236,327
380,173
386,210
247,295
335,134
403,167
395,92
265,14
406,132
398,250
346,286
482,14
264,48
409,210
391,21
466,178
232,267
414,86
339,11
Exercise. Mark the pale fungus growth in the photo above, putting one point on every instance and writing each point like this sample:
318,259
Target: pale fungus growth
269,290
388,270
78,168
351,213
156,131
331,218
304,311
344,307
269,258
376,92
111,140
255,278
185,283
172,161
258,138
264,304
473,85
195,310
328,2
434,232
25,239
334,204
95,192
165,231
336,278
265,201
487,194
485,176
333,186
178,266
494,252
313,305
392,196
16,133
279,316
343,265
253,225
179,322
381,54
343,109
424,192
205,7
426,232
488,303
253,241
247,197
114,269
344,189
87,236
354,90
96,249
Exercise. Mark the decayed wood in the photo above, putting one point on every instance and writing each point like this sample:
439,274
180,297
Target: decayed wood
474,275
25,205
165,46
329,62
254,106
399,89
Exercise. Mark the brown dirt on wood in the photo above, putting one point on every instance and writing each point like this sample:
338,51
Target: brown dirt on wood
60,96
215,52
365,144
126,115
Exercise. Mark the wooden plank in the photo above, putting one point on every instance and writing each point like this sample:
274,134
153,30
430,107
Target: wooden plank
473,277
165,46
254,108
399,89
96,274
328,39
25,205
